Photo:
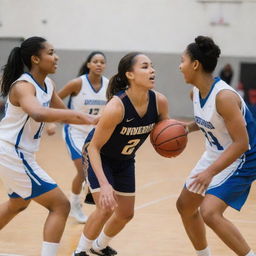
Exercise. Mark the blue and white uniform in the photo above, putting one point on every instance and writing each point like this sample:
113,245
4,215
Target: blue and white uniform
118,153
88,101
19,140
232,184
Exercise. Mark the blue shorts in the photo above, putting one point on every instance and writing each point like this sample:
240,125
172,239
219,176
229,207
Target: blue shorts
234,191
232,185
119,173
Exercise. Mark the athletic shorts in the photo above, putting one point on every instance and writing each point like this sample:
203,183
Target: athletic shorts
232,185
74,141
21,174
119,173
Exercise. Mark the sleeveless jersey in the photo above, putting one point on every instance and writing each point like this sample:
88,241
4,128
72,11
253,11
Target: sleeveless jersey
133,130
17,127
213,125
88,101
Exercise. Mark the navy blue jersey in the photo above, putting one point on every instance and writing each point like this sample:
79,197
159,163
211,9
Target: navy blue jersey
133,130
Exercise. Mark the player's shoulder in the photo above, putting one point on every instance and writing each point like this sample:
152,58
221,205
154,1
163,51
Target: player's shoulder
159,96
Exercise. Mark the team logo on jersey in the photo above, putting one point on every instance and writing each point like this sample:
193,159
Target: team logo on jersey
129,119
136,130
204,123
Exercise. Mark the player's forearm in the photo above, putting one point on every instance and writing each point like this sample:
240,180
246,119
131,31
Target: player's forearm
61,115
192,127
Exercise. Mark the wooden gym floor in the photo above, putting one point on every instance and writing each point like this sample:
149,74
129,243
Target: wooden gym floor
156,228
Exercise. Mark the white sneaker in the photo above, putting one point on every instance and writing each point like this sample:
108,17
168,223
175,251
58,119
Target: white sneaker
77,212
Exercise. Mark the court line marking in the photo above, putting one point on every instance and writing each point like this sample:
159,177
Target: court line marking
176,196
6,254
155,201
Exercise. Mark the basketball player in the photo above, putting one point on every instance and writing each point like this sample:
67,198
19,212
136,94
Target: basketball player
127,120
29,96
223,175
87,94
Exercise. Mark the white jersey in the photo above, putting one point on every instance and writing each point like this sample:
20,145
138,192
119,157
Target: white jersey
88,101
17,127
211,123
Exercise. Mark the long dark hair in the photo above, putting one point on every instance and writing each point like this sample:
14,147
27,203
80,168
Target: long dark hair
119,81
19,58
84,69
205,51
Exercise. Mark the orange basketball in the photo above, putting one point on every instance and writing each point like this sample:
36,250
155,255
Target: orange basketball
169,138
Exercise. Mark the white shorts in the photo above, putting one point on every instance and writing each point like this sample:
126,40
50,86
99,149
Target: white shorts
204,162
74,139
21,174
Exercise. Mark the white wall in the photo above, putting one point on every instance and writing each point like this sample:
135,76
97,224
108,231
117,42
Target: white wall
124,25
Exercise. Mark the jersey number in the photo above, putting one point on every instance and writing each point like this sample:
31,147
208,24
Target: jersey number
212,139
129,148
94,111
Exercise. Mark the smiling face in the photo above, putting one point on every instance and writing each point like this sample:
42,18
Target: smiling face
46,59
142,73
97,64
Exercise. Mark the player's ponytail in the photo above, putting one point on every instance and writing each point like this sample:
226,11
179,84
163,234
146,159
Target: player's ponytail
19,58
119,81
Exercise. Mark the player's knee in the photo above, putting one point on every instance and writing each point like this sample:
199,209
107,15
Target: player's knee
180,206
184,209
209,216
105,213
63,207
125,217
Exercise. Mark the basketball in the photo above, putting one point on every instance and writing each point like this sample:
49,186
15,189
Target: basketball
169,138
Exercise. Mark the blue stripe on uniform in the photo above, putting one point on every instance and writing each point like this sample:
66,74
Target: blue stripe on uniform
74,152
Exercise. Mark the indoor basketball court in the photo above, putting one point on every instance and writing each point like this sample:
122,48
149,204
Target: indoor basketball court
156,228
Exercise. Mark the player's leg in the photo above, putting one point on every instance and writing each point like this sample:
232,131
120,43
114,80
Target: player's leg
120,217
187,205
9,209
58,206
75,200
212,210
74,141
92,227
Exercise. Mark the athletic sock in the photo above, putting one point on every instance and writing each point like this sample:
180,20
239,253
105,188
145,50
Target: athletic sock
250,253
49,249
204,252
75,197
101,242
84,244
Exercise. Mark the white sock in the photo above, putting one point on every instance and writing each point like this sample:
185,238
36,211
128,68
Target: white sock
101,242
75,198
49,249
204,252
250,253
84,244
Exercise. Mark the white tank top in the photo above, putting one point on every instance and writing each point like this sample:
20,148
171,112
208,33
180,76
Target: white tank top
17,127
89,101
211,123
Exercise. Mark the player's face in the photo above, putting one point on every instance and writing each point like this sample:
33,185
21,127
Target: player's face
47,59
187,68
97,64
143,73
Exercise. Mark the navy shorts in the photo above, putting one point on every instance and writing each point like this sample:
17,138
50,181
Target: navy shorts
119,173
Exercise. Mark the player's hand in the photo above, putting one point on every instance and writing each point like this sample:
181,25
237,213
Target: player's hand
51,129
107,198
96,119
201,182
185,125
